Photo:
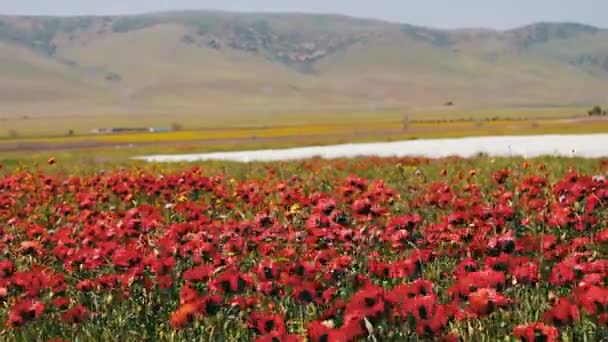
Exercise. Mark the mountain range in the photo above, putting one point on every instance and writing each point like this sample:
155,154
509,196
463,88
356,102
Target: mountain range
208,63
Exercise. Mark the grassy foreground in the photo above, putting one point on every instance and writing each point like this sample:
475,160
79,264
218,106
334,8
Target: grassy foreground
344,250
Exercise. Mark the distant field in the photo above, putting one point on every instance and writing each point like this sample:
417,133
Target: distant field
17,128
112,150
388,129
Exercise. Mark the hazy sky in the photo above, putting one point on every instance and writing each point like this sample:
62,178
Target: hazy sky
436,13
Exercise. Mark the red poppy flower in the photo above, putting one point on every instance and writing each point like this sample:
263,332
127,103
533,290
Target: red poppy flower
268,270
317,221
602,237
25,311
243,303
379,269
61,303
536,332
6,268
465,266
162,266
230,281
199,273
562,313
124,258
269,288
368,301
407,268
501,176
421,307
187,293
279,337
31,282
603,319
592,298
401,239
591,279
319,332
477,280
362,206
108,281
210,305
306,292
435,324
30,248
527,273
326,206
85,285
76,314
451,338
264,323
563,273
184,315
484,301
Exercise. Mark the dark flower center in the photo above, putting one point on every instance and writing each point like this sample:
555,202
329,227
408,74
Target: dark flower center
225,285
28,314
328,210
299,270
268,326
500,266
240,284
212,308
305,296
558,322
370,301
341,219
539,336
422,312
509,247
428,331
268,273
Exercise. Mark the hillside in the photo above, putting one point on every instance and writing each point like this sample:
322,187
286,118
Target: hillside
212,63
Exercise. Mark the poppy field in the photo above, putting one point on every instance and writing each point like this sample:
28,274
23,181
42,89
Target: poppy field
368,249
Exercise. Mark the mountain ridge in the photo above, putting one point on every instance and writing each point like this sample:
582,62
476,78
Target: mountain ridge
209,60
292,13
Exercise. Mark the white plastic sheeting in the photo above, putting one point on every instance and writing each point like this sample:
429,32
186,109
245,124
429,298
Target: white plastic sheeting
588,145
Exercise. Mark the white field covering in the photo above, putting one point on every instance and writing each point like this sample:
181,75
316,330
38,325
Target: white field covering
586,145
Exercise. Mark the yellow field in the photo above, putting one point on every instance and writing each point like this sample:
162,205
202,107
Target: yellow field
213,139
16,128
375,129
